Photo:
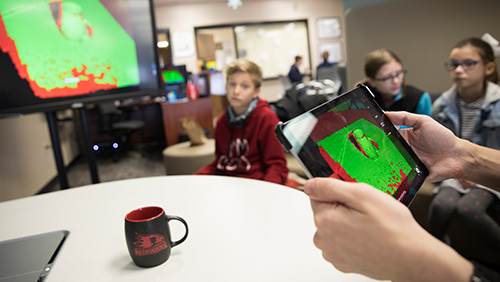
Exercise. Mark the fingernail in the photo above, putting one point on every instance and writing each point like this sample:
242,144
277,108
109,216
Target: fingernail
309,187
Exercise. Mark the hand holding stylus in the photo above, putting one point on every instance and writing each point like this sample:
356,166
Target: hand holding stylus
444,154
434,144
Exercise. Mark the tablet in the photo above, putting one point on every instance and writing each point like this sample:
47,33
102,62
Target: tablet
29,259
350,138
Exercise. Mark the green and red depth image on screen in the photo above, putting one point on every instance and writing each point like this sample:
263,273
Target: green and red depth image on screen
358,150
67,48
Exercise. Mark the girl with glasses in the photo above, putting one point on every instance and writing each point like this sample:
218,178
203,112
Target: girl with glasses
471,110
385,78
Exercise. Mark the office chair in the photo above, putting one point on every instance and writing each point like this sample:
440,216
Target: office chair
331,77
112,122
285,83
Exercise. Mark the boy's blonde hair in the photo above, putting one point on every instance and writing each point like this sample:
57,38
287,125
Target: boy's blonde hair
245,66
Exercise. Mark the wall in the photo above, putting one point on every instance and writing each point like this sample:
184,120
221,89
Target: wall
420,32
184,17
27,157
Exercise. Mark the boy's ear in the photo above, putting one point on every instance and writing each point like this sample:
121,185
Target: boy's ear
256,93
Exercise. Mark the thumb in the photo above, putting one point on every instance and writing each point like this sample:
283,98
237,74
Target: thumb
402,118
351,194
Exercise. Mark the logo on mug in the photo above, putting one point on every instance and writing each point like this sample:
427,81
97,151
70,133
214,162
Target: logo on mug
149,244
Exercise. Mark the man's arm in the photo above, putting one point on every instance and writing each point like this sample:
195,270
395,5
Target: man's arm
481,165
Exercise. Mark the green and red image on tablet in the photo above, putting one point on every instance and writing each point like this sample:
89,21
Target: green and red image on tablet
350,138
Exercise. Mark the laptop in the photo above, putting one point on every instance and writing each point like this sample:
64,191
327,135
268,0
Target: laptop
29,259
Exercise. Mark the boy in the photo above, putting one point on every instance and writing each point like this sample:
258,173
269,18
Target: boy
245,144
294,74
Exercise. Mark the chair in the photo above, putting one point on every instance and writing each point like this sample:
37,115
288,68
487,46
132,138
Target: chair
112,121
331,76
185,158
343,78
285,83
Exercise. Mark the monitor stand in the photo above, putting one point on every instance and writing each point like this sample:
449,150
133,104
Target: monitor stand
56,145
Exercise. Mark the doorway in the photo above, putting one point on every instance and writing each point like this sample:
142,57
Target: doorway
164,47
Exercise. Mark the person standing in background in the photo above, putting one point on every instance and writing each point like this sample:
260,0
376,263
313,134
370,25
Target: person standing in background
294,74
325,63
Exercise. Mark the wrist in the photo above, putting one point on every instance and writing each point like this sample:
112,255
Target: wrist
466,157
432,260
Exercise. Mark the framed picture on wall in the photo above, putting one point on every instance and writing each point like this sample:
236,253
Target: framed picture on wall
183,44
328,28
334,50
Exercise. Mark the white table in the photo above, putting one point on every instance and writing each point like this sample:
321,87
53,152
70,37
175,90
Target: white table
240,230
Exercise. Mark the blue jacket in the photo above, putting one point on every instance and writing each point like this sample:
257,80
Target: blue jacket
487,130
325,64
295,75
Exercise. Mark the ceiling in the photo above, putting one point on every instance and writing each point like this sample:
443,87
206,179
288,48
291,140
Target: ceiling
171,2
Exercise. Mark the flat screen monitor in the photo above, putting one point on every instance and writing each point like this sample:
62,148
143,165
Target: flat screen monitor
174,75
175,80
57,54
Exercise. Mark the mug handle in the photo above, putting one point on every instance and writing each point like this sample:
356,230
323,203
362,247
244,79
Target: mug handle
173,217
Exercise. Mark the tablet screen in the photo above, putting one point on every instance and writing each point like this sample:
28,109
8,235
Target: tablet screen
350,138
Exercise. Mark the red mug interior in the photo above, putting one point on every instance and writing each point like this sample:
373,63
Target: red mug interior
144,214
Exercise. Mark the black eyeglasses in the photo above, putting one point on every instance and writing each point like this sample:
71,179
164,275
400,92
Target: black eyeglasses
399,75
466,65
